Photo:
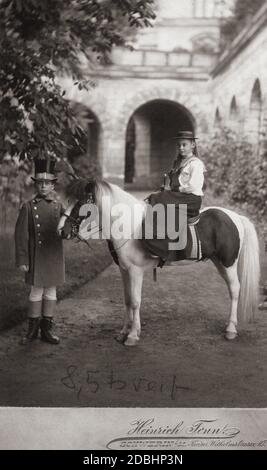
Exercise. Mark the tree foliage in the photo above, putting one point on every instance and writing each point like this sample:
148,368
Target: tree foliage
39,39
236,170
243,10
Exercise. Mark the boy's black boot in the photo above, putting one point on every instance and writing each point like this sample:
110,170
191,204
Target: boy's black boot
47,331
34,313
47,322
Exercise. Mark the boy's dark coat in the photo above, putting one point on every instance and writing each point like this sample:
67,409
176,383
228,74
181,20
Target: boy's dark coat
37,242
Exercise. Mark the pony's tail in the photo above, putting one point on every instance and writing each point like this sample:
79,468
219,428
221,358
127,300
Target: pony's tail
248,272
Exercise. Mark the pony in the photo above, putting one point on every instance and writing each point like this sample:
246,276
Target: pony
228,239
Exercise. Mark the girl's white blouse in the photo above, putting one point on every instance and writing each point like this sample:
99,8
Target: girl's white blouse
191,178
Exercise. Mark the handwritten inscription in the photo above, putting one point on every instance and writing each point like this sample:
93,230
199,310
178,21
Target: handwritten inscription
93,381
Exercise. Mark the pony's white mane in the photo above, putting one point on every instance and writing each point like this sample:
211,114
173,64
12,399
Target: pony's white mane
102,189
130,209
118,195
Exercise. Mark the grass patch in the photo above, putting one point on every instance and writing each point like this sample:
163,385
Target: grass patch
82,265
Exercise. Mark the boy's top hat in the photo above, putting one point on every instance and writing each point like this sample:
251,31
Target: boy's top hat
44,169
185,135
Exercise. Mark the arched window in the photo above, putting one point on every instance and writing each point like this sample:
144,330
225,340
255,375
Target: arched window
217,120
253,121
234,115
84,144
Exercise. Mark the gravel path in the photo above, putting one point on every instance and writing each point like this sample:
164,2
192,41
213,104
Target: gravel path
182,359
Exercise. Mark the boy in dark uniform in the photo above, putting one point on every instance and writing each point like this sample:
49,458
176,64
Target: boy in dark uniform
39,252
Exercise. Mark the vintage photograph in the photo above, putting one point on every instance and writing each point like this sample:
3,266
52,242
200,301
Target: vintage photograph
133,234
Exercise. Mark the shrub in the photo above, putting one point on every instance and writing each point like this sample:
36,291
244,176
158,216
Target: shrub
236,169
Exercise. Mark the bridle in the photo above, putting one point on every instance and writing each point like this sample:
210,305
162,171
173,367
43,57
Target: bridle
75,226
75,222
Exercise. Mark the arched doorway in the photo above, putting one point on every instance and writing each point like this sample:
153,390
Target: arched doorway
150,147
85,145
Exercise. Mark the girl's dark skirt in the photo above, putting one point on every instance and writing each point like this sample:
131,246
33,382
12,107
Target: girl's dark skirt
156,244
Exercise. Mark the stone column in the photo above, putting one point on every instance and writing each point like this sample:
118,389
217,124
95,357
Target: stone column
143,144
113,159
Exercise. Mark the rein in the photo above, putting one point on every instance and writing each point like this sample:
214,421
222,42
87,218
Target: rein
69,217
112,249
76,234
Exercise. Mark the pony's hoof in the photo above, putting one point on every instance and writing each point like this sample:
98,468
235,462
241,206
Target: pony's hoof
131,341
121,337
230,335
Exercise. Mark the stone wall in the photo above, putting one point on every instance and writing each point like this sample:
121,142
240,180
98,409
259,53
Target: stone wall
170,65
114,102
238,84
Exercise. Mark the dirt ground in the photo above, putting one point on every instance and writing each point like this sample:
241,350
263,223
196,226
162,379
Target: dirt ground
14,292
182,359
